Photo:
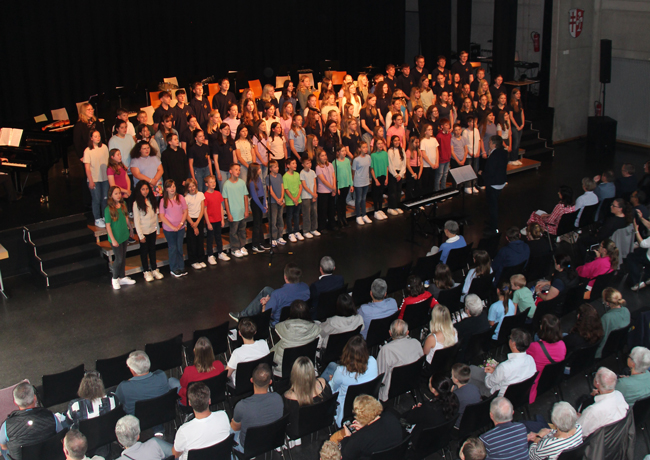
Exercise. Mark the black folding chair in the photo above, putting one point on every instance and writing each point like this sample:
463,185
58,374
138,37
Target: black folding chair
450,298
399,451
379,331
604,209
292,354
284,313
313,418
218,337
425,267
479,346
417,316
396,277
551,378
490,245
460,258
483,286
50,449
266,438
263,323
335,345
588,216
577,453
508,324
361,289
600,283
476,417
157,411
641,411
220,450
114,370
567,223
166,355
581,361
218,387
507,272
616,343
434,439
406,379
370,388
444,359
61,387
519,393
539,267
547,307
243,384
100,431
326,307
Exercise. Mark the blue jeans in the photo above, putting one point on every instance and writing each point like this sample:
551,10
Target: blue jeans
440,178
474,163
200,174
225,175
255,307
243,172
175,249
293,219
99,196
516,140
360,200
329,371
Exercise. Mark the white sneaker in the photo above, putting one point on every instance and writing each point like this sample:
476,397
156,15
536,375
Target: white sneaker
100,223
281,241
308,235
300,236
315,233
367,220
148,277
399,210
223,256
274,243
244,251
238,254
126,281
360,221
292,238
468,191
475,189
378,216
383,215
203,265
392,212
116,284
212,260
196,266
636,287
156,274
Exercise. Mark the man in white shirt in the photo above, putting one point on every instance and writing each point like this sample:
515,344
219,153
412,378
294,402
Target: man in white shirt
518,367
249,351
400,351
609,405
588,198
206,429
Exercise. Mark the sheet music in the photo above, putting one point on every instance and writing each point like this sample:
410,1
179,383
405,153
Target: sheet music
150,110
41,118
5,133
463,174
14,137
172,80
61,114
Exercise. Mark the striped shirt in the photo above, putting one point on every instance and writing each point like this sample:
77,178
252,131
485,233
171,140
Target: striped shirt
84,409
506,441
550,447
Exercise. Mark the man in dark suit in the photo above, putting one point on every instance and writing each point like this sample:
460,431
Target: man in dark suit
326,282
475,323
494,177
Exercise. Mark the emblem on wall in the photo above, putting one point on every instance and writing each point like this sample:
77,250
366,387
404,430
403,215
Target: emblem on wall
576,18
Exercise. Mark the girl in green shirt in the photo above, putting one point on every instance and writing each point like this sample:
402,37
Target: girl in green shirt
118,228
343,170
379,171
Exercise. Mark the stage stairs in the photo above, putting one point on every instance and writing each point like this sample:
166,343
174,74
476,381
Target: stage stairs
63,251
534,146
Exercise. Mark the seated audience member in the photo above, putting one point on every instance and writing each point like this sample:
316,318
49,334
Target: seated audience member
144,384
93,400
617,317
442,280
127,432
475,323
638,261
306,389
75,446
466,392
356,366
251,349
514,253
522,297
539,244
587,331
260,409
620,217
483,268
443,333
374,430
606,260
296,331
27,425
501,308
644,182
626,184
205,366
563,278
548,444
330,451
518,367
472,449
327,281
443,407
549,222
604,190
507,440
276,299
550,348
380,307
401,350
609,404
415,293
454,241
346,319
588,198
206,429
637,385
638,201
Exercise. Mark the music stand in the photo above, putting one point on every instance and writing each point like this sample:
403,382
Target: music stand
460,176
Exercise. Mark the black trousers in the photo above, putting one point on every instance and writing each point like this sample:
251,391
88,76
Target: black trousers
394,191
341,205
257,224
413,185
492,197
7,184
325,211
378,193
148,250
195,251
426,182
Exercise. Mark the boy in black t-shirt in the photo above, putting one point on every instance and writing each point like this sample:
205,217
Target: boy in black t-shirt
441,70
404,81
463,68
201,105
497,88
182,111
390,77
222,100
419,70
163,109
480,75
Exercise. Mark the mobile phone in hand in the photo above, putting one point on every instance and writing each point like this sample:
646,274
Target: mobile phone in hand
349,426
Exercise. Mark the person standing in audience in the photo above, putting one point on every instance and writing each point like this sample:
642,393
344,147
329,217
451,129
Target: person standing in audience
380,307
262,408
127,432
182,111
122,141
550,349
145,219
119,229
174,163
609,404
195,214
400,351
173,214
200,106
567,434
443,333
95,159
617,317
637,385
235,196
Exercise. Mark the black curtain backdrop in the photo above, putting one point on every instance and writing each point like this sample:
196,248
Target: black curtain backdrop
58,53
435,30
504,39
464,25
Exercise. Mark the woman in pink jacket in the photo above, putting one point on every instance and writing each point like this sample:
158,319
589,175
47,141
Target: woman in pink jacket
549,349
606,260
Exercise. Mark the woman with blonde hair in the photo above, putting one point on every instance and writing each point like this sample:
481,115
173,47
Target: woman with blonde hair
248,93
306,389
483,89
85,125
212,132
311,146
617,317
304,91
362,86
205,366
268,97
350,96
443,333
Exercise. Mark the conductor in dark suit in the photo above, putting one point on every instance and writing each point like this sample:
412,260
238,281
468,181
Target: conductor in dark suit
494,177
326,282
